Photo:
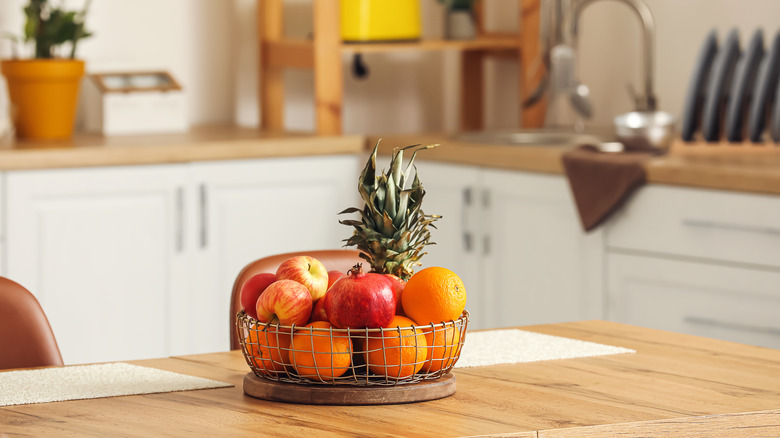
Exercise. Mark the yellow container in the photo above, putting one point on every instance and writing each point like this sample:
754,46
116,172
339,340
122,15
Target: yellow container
44,94
380,20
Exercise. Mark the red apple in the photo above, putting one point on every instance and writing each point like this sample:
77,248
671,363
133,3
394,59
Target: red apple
333,276
285,302
360,300
318,311
307,271
251,290
398,288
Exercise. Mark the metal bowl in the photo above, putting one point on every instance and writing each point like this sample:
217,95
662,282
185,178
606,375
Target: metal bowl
645,130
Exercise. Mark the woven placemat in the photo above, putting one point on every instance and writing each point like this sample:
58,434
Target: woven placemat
495,347
93,381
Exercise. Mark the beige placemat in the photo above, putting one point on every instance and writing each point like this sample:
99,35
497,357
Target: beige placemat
494,347
93,381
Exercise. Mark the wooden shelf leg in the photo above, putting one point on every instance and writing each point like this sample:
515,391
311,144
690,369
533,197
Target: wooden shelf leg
532,71
328,70
472,73
270,16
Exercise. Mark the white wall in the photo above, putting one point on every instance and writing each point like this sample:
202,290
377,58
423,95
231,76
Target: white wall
192,39
610,46
209,45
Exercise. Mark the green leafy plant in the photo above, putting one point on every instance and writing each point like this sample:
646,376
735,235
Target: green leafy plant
458,5
51,27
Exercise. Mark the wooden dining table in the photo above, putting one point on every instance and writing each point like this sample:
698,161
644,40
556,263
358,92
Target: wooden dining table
674,385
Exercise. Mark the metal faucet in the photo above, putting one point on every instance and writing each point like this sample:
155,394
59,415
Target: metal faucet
570,21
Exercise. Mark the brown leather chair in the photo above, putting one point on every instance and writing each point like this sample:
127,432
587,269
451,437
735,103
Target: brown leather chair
334,260
26,338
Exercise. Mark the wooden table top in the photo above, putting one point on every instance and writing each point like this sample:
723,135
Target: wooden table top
675,384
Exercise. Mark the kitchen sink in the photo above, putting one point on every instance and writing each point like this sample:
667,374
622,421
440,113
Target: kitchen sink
535,137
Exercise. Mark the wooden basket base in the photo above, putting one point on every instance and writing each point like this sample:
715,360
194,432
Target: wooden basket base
265,389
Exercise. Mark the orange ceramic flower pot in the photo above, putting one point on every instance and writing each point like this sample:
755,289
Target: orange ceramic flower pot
44,94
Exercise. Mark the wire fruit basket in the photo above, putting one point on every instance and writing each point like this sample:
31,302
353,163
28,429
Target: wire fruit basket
311,355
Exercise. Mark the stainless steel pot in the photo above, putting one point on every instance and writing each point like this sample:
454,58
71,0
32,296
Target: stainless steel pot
645,130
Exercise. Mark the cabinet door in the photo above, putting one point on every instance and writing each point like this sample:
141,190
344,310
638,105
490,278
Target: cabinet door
733,303
705,224
253,208
101,249
452,192
540,267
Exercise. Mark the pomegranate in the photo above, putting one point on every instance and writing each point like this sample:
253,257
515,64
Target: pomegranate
360,300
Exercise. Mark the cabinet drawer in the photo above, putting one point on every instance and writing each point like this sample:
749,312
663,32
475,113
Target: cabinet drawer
735,227
730,303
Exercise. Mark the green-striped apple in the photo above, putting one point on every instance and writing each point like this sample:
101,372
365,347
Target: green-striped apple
286,302
333,276
318,311
307,271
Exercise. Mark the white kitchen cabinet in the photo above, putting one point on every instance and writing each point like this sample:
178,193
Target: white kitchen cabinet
453,192
704,224
703,262
101,249
517,239
540,266
254,208
138,261
733,303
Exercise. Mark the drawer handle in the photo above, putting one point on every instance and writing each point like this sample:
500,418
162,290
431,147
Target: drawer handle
731,227
468,237
204,230
179,244
731,325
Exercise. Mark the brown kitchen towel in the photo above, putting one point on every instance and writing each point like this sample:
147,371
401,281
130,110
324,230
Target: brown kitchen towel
602,181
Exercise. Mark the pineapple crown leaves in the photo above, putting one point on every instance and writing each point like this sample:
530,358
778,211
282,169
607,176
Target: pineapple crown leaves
392,229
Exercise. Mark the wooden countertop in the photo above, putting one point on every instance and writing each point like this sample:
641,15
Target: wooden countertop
674,384
200,144
740,168
744,168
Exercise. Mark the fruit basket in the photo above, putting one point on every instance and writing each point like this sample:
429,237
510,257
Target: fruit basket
356,357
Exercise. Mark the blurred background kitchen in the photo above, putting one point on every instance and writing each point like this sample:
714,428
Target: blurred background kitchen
210,47
170,220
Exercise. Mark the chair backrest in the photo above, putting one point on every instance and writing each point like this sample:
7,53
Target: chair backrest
334,260
26,338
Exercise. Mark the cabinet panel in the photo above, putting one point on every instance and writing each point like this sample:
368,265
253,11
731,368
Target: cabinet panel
735,227
725,302
540,267
515,239
454,193
100,249
254,208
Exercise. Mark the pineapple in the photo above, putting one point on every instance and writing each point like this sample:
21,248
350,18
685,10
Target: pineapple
392,230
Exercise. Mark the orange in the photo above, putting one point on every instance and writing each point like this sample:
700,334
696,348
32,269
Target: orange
319,354
442,346
268,350
434,295
397,353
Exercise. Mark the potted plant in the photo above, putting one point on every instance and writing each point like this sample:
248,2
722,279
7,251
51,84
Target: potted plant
459,22
44,90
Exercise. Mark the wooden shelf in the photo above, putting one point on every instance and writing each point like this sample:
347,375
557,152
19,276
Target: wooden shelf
323,54
299,53
511,42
